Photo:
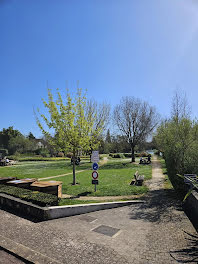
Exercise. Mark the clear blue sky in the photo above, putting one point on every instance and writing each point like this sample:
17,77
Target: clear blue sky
114,48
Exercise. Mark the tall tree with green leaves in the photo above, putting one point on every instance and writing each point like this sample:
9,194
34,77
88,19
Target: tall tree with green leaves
72,125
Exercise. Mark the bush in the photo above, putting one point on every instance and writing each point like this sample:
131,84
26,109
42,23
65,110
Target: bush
117,156
45,153
69,155
35,158
39,198
60,154
142,154
127,155
3,153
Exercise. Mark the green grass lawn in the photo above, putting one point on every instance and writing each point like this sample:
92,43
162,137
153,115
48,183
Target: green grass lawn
114,176
40,169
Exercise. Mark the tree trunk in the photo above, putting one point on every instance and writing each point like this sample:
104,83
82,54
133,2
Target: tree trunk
74,174
132,154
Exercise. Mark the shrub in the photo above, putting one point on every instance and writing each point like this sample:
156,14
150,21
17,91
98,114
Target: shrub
3,153
39,198
127,155
117,156
44,153
69,155
60,154
143,154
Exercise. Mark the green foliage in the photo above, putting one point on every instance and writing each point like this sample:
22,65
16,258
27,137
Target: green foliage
6,135
143,154
117,155
3,153
39,198
177,139
20,144
72,123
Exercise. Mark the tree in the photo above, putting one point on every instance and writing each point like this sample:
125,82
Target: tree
20,144
136,120
180,107
177,139
108,137
6,135
31,136
98,116
73,126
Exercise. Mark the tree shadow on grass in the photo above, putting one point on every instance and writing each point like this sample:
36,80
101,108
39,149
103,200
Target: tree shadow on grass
82,194
120,165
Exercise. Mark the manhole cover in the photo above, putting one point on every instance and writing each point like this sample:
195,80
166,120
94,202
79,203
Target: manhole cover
106,230
87,218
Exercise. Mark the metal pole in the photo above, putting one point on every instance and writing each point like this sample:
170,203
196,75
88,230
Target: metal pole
95,187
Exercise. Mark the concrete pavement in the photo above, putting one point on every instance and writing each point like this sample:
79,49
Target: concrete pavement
157,231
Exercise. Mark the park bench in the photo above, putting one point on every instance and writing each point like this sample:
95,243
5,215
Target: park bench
23,183
51,187
138,179
189,179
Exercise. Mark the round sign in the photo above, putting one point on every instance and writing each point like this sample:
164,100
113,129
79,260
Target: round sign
94,175
95,166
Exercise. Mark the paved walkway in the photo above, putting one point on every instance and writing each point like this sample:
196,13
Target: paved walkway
157,231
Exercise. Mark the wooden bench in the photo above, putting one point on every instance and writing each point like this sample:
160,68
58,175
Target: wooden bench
51,187
23,183
138,179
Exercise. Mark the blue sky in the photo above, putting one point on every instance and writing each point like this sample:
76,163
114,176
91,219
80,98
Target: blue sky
114,48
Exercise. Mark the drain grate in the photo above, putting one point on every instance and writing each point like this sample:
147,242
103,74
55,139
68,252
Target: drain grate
87,218
106,230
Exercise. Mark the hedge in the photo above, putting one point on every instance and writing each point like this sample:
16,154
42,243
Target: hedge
39,198
18,158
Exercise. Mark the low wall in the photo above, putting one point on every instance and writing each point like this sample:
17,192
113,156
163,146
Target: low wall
19,206
35,212
191,208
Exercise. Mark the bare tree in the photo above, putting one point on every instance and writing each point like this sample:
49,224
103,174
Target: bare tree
98,114
136,120
180,106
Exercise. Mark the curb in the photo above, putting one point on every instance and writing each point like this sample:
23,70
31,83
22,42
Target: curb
70,210
48,213
25,253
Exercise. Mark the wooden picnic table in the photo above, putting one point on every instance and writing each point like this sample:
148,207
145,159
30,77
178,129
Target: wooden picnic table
23,183
51,187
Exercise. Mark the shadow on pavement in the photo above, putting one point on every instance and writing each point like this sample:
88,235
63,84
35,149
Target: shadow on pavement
29,218
188,254
157,208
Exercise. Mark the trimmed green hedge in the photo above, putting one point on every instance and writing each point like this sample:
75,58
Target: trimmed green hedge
39,198
117,155
18,158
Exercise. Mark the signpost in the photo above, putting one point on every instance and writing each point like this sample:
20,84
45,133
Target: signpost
95,156
95,160
95,166
94,175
